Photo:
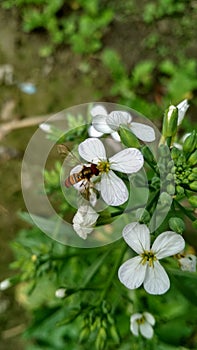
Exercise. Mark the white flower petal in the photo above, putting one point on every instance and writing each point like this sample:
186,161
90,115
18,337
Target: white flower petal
132,273
92,150
134,328
100,124
113,189
146,330
143,132
45,127
149,318
168,243
137,236
98,109
116,118
84,220
182,109
156,280
129,160
92,132
135,317
115,136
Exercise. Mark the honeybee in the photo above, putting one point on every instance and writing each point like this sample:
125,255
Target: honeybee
85,174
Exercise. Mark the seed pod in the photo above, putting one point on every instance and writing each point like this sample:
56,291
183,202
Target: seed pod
193,201
170,122
177,224
193,158
190,142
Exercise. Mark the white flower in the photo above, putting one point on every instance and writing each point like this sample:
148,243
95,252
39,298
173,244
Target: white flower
111,122
99,113
182,109
45,127
5,284
130,160
142,323
188,263
146,268
60,293
84,220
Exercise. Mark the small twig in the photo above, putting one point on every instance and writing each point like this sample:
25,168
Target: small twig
13,332
18,124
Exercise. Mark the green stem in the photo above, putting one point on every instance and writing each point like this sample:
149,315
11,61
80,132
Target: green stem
122,251
185,211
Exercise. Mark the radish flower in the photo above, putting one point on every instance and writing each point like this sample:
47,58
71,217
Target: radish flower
130,160
142,323
111,122
84,220
99,113
145,268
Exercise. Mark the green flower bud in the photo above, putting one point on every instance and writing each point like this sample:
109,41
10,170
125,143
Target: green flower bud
165,199
193,201
180,190
170,177
148,156
193,185
128,138
142,215
170,189
192,177
190,142
170,122
193,158
175,153
164,151
177,225
194,170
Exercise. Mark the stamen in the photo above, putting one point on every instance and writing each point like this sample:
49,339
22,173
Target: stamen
103,166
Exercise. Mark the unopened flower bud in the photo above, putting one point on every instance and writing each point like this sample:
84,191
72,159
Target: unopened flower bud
177,225
175,153
190,142
193,158
128,138
192,177
5,284
170,122
193,185
142,215
170,189
165,199
60,293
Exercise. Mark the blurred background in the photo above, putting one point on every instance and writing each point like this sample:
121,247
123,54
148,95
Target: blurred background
56,54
